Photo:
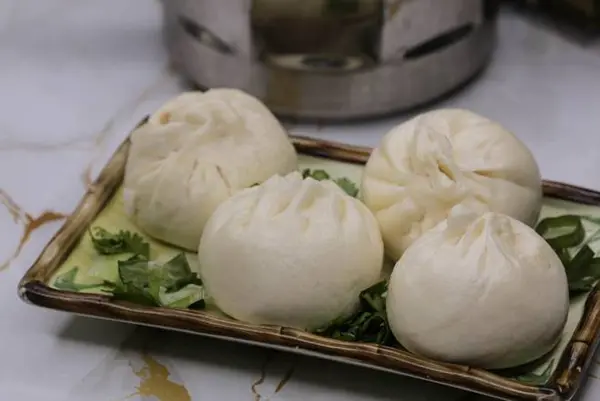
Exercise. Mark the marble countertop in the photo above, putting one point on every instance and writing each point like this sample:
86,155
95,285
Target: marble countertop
77,75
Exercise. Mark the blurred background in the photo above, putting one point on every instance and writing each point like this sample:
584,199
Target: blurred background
347,59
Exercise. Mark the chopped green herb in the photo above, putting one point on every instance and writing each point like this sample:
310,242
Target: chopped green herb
134,271
107,243
562,231
595,220
130,292
170,284
66,281
348,186
566,235
537,379
191,294
320,175
369,324
176,273
140,280
584,278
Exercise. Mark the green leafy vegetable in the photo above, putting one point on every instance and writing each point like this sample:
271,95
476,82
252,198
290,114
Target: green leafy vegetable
595,220
585,278
536,379
107,243
369,324
134,271
66,281
320,175
140,280
132,293
567,236
562,231
148,283
348,186
176,273
190,296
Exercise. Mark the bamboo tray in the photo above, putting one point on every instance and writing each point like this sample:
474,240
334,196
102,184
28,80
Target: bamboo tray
565,368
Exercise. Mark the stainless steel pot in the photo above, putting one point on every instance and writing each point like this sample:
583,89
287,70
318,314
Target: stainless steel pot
332,59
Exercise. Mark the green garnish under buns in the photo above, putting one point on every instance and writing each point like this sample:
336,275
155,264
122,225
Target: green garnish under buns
320,175
566,235
140,280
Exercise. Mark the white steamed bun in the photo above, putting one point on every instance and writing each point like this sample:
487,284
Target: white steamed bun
481,290
443,158
193,153
290,252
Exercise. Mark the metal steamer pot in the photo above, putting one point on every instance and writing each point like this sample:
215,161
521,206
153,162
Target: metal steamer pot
332,59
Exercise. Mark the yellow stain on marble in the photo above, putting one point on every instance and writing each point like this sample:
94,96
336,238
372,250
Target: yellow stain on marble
154,382
30,223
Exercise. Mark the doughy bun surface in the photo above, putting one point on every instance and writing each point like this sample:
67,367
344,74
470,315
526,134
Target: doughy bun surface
290,252
427,165
195,152
482,290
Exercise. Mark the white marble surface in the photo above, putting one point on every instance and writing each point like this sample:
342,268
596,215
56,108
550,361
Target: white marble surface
75,77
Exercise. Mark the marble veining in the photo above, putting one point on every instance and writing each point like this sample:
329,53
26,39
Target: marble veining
27,222
78,75
261,379
132,360
257,388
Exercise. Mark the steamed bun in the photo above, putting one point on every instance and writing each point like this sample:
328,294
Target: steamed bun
481,290
427,165
195,152
290,252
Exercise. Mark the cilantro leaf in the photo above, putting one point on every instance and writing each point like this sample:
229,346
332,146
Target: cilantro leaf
562,231
585,277
567,236
171,284
348,186
191,294
66,281
107,243
320,175
141,280
134,271
538,379
374,296
369,324
176,273
131,293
